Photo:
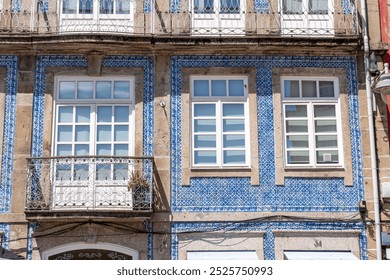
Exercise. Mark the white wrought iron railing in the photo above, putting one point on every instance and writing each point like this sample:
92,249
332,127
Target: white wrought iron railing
180,17
89,183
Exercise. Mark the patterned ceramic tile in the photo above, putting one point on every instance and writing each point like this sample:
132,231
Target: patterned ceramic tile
31,228
236,194
11,65
5,228
268,227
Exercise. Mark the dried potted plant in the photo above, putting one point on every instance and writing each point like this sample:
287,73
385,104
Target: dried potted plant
140,188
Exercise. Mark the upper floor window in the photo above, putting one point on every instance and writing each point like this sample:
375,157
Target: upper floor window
220,121
305,6
312,122
94,117
309,17
101,7
221,6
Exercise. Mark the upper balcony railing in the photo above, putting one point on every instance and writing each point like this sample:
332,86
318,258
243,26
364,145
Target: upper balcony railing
88,183
180,17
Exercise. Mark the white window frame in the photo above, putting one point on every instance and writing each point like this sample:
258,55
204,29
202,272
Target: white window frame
94,103
310,102
88,184
219,101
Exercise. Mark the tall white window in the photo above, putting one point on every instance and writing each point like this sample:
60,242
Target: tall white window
220,121
93,117
312,122
93,134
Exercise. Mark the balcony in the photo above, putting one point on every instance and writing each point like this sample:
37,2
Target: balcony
77,186
181,17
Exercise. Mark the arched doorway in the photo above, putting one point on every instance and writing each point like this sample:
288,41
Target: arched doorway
86,251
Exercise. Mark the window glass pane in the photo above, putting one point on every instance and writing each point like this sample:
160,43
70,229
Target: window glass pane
327,156
325,126
65,114
121,90
326,141
63,172
121,172
292,6
67,90
85,6
82,133
103,172
234,141
204,110
230,6
233,125
121,114
104,113
233,110
296,126
297,141
201,88
121,133
121,149
205,157
205,141
318,6
82,114
234,157
103,149
80,172
291,88
295,111
204,6
309,89
236,88
85,90
69,6
64,150
106,6
123,7
64,133
81,150
297,157
326,89
204,126
104,133
218,88
103,90
324,111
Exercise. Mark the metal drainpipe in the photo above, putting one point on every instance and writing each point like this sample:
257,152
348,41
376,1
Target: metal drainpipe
371,131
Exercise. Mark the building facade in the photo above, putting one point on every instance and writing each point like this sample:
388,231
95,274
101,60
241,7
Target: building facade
184,129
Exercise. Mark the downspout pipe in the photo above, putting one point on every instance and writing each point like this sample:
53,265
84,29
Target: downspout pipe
369,96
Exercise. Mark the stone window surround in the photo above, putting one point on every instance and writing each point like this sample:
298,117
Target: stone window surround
281,171
316,240
227,241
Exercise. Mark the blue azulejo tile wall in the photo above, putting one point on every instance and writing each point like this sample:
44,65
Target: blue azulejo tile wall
5,228
268,228
237,194
11,65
